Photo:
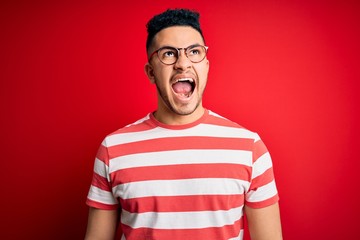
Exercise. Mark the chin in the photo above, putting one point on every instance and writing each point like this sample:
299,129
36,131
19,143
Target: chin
185,111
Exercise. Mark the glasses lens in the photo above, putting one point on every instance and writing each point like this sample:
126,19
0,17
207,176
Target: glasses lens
196,54
168,55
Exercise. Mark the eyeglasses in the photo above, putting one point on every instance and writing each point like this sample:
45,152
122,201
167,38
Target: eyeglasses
169,55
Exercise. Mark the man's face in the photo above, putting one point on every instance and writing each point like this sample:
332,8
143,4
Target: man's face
180,86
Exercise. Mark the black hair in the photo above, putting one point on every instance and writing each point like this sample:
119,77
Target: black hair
169,18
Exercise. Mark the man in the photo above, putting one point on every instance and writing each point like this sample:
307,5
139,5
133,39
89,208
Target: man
182,172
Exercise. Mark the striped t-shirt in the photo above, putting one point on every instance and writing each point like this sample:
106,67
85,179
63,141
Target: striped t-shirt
175,182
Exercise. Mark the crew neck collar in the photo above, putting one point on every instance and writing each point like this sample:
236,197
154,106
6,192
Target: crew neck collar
180,126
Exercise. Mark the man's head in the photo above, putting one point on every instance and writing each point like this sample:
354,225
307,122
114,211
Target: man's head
169,18
177,65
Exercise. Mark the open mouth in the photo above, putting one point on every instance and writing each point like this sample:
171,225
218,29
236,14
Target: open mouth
184,87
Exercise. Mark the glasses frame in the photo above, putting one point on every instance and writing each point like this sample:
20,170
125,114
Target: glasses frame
178,50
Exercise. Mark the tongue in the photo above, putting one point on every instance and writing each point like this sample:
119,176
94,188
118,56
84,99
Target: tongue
182,87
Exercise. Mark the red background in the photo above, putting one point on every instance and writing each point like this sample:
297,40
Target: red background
72,72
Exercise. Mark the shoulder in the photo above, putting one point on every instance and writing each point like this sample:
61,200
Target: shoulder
225,123
216,119
138,127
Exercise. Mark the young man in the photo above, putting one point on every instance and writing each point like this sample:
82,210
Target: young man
182,172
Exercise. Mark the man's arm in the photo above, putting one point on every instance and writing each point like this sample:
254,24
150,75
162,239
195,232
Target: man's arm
264,223
101,224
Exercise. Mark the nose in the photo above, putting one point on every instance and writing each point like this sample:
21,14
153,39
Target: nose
183,62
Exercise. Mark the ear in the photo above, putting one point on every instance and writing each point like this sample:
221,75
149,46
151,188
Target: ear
149,71
207,64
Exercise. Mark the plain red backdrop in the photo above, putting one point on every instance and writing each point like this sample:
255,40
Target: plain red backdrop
72,72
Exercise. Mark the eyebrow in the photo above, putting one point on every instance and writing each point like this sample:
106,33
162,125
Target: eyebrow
192,45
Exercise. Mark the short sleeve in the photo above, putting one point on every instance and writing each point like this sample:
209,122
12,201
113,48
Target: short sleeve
262,191
100,194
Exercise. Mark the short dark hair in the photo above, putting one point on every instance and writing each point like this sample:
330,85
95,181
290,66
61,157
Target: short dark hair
169,18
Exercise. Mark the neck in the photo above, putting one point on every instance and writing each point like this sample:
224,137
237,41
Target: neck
169,117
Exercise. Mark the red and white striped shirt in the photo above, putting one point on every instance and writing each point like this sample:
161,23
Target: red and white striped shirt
175,182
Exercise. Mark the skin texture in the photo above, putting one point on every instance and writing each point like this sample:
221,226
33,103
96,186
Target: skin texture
172,108
101,224
264,223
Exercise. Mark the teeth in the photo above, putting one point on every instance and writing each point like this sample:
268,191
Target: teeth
185,79
185,95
